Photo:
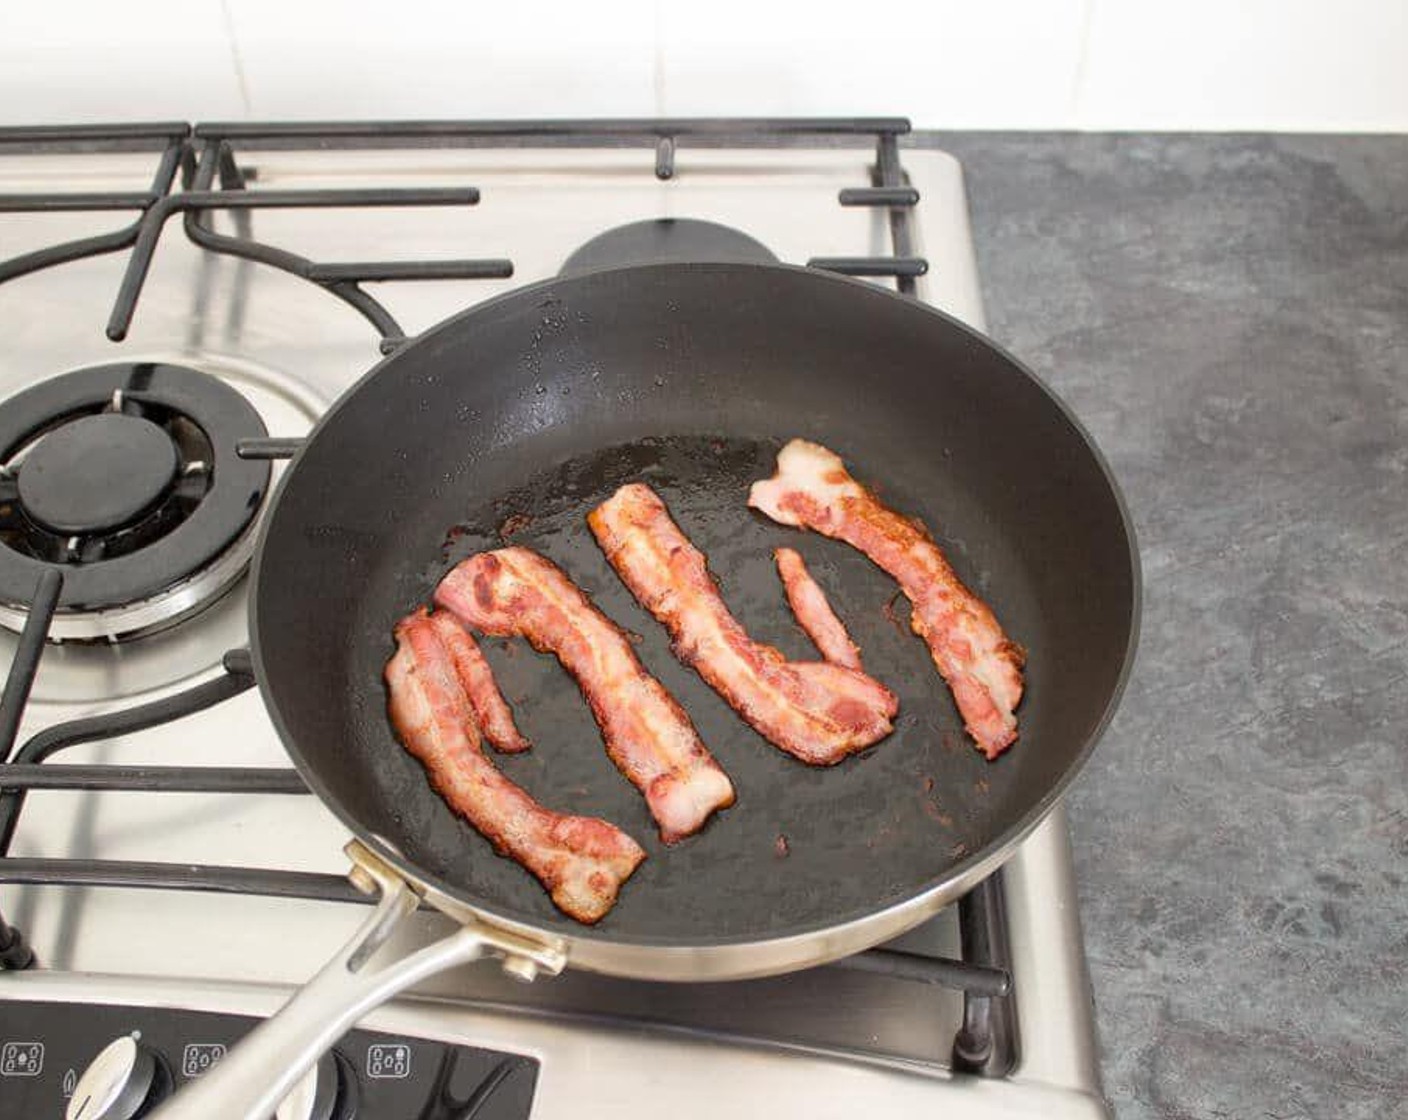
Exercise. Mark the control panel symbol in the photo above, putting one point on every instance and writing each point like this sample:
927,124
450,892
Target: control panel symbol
389,1060
198,1057
21,1059
70,1082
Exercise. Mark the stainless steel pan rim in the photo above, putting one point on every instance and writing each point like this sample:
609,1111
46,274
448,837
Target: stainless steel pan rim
736,960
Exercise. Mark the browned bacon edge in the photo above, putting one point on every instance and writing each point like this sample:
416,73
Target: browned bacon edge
816,711
982,666
814,613
647,733
491,710
582,861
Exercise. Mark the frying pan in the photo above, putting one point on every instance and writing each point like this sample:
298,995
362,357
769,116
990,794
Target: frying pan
520,415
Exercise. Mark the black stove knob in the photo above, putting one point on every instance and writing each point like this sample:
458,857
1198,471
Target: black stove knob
116,1084
322,1094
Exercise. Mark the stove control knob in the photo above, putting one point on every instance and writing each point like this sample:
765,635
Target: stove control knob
116,1083
315,1097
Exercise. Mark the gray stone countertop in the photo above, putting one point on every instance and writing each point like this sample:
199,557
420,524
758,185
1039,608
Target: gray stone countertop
1229,317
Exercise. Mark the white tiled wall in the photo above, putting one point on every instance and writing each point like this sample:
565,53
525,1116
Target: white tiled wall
981,62
1326,65
445,58
1139,64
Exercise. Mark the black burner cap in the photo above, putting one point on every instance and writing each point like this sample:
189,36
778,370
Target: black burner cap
97,473
125,476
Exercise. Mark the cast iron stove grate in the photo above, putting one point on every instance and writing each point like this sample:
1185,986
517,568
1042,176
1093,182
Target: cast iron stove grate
212,177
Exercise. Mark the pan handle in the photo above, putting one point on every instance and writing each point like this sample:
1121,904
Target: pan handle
249,1082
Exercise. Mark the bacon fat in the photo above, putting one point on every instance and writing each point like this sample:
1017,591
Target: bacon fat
982,666
582,861
814,613
491,710
648,735
816,711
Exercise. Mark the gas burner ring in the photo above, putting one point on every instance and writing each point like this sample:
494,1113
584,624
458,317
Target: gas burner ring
135,620
172,532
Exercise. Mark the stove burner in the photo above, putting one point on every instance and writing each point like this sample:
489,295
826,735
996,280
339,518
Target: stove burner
126,476
659,240
97,473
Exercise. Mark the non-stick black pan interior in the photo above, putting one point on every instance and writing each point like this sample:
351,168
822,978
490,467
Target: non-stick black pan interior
521,415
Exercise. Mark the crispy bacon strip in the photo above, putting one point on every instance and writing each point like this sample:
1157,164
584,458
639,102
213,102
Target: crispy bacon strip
582,861
814,613
982,666
816,711
491,710
648,735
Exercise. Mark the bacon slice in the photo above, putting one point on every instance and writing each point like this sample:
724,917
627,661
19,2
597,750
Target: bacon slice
582,861
814,613
648,735
982,666
491,710
816,711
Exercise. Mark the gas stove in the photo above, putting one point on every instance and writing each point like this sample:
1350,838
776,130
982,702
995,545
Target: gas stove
179,305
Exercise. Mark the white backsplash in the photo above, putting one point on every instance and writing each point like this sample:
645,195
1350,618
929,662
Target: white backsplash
1131,64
